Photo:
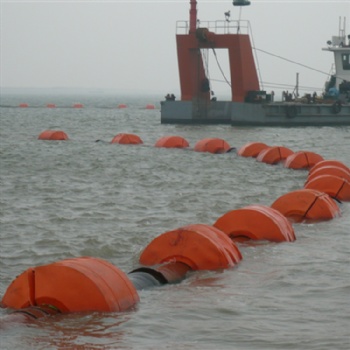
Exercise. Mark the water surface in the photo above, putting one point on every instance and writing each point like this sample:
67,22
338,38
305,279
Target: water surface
85,198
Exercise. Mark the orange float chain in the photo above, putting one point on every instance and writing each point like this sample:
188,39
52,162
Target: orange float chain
329,162
256,222
112,292
199,246
315,163
56,135
251,149
212,145
302,160
274,155
336,187
172,142
96,285
307,205
92,285
127,139
329,170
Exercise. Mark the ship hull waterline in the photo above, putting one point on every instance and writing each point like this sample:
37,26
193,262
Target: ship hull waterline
252,114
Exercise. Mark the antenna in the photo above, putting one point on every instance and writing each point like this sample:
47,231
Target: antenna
241,3
193,16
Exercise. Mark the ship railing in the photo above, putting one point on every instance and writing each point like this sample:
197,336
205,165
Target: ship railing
217,27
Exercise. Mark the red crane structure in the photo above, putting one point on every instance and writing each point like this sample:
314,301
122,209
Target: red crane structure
248,103
194,83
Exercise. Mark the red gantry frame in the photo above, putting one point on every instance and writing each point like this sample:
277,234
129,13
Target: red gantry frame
194,83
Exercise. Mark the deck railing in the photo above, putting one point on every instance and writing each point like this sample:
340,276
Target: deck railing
217,27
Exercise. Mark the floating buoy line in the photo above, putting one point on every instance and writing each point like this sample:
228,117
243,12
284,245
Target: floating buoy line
57,287
77,105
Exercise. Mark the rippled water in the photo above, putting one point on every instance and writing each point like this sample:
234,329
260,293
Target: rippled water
86,198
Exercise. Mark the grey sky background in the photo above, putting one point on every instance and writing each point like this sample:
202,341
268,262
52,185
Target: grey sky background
129,46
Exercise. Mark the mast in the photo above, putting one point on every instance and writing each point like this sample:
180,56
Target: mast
193,16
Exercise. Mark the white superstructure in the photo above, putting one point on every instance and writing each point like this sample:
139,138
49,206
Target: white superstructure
340,46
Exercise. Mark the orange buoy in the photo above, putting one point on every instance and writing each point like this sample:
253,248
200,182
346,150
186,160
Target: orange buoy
302,160
256,222
212,145
127,139
251,149
72,285
51,105
306,205
336,187
23,105
55,135
172,142
199,246
273,155
150,106
78,105
329,170
329,162
122,105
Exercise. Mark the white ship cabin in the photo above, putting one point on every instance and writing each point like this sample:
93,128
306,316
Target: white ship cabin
340,46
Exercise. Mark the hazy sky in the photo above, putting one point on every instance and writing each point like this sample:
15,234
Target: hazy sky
129,46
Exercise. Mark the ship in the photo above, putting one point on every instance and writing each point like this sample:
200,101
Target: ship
249,105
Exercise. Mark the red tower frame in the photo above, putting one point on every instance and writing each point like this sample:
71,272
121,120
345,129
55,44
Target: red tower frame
193,81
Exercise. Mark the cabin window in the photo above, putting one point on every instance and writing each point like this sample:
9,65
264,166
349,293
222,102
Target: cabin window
346,61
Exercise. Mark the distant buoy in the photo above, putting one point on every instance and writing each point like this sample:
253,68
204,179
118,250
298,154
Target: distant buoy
51,105
307,205
172,142
251,149
274,155
73,285
78,105
127,139
122,105
199,246
23,105
54,135
150,106
329,162
329,170
256,222
336,187
302,160
212,145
